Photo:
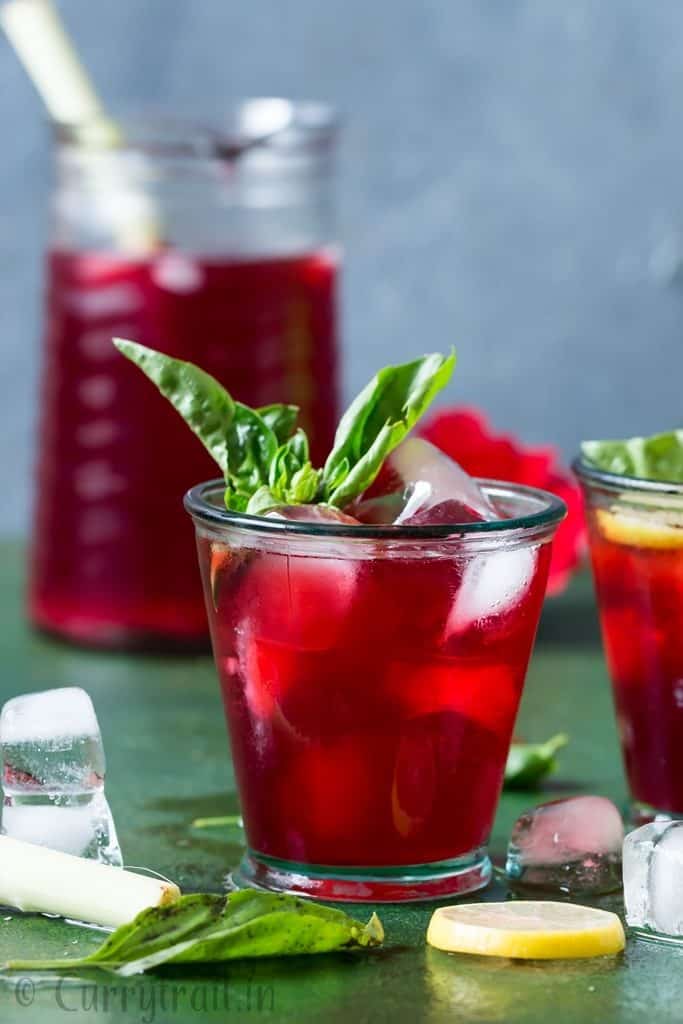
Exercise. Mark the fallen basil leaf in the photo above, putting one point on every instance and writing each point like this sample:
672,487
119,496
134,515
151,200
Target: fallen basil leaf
203,403
659,457
205,928
528,763
377,421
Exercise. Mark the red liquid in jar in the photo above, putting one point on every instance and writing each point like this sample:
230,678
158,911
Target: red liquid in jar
370,717
640,597
114,560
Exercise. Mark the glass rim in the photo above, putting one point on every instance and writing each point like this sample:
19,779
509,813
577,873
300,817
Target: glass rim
551,514
617,482
269,122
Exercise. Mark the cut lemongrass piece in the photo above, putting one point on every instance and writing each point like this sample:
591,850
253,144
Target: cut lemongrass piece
33,878
660,531
526,929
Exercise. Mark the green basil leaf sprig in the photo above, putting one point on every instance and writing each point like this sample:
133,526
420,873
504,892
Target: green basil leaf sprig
377,421
529,763
659,457
281,419
204,928
203,403
265,460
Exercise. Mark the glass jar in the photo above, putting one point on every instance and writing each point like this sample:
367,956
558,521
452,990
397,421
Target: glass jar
371,677
216,246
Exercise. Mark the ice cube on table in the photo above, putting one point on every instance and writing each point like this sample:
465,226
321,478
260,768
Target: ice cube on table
653,877
53,772
433,487
572,845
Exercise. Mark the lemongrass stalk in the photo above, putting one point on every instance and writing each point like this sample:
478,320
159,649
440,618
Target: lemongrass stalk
33,878
36,32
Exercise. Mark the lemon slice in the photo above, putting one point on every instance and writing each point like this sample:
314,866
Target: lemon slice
638,531
526,929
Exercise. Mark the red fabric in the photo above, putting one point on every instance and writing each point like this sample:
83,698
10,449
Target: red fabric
467,437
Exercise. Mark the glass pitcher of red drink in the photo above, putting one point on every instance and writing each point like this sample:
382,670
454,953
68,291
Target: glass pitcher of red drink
213,245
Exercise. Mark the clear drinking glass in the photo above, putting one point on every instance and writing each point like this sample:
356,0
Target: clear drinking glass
636,542
371,677
214,244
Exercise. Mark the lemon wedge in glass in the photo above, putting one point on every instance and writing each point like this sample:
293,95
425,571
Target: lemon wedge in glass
641,531
526,929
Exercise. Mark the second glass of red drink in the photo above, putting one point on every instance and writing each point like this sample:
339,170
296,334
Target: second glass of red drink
636,541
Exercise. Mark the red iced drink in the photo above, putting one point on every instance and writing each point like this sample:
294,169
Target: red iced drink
637,555
371,688
113,557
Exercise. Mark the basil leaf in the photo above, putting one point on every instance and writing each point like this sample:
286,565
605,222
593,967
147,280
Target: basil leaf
304,486
289,458
659,457
240,440
292,478
251,449
377,421
204,404
261,501
207,928
236,500
529,763
281,419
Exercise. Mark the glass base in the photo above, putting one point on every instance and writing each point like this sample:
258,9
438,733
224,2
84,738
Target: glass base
650,936
639,814
408,883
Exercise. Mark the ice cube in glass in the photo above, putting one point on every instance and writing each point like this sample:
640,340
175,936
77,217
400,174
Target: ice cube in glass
420,485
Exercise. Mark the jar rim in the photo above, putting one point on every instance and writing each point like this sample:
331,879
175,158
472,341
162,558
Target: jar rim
546,512
272,122
617,482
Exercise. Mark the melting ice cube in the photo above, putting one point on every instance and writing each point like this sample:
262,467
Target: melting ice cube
653,877
420,485
573,845
492,584
312,514
53,775
303,598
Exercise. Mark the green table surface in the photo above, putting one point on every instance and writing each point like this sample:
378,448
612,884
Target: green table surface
168,763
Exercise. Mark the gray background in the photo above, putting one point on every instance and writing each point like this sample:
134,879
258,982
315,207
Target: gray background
511,183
